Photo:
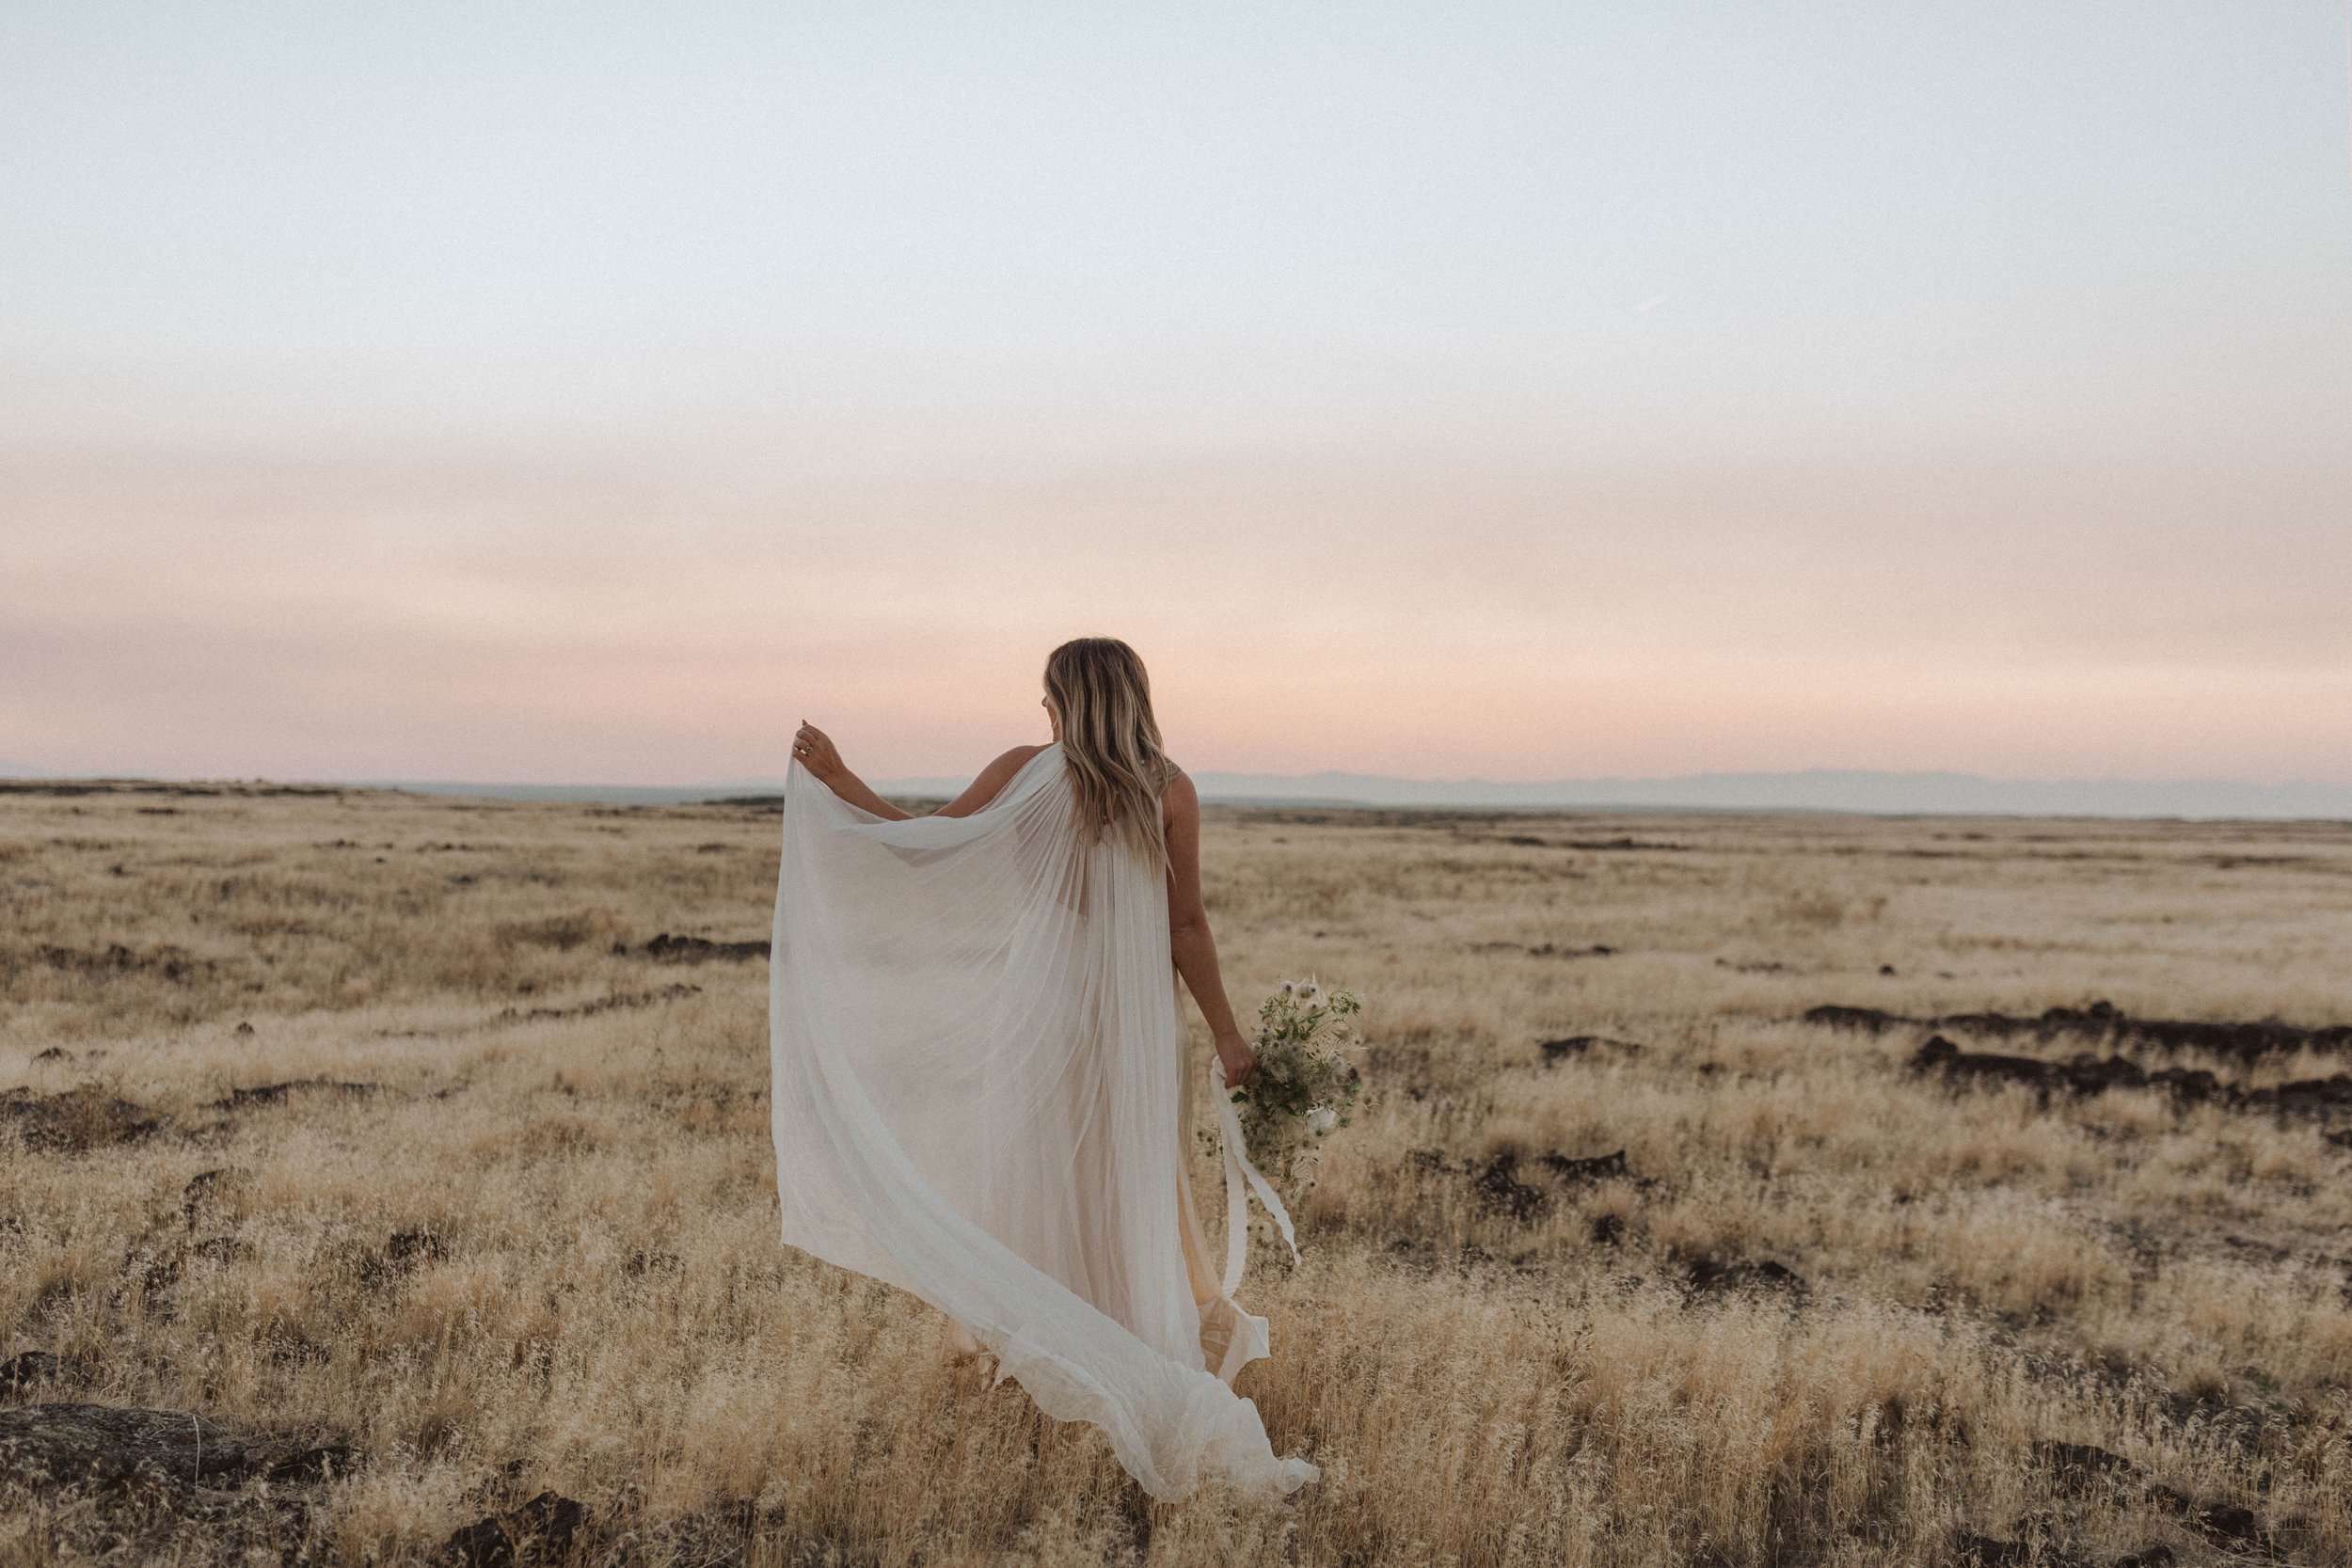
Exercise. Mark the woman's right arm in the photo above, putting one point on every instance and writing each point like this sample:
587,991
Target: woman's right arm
814,751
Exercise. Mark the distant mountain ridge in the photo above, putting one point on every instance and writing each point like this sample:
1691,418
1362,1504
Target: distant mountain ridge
1868,793
1817,790
1820,790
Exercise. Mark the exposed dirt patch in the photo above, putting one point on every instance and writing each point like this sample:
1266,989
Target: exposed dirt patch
666,948
1719,1275
101,1483
77,1121
273,1094
46,1445
1584,1045
1495,1181
172,963
32,1371
2103,1020
541,1530
2088,1074
618,1001
1547,950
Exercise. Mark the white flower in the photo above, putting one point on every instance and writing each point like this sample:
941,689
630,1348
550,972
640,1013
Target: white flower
1308,993
1322,1119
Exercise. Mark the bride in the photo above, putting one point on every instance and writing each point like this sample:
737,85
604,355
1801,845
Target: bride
980,1092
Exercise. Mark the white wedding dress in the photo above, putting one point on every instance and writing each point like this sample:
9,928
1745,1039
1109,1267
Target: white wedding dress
980,1096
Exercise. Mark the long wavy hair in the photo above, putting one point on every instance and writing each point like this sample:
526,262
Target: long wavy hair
1110,741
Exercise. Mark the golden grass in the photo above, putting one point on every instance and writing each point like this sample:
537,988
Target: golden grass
538,1251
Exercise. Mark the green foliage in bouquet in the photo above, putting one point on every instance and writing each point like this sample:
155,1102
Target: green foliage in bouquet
1304,1089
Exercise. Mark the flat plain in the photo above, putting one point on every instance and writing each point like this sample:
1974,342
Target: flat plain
385,1151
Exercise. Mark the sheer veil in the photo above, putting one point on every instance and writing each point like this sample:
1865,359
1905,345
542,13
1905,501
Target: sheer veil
979,1097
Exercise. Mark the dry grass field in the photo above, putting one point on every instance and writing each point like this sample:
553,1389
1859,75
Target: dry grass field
371,1138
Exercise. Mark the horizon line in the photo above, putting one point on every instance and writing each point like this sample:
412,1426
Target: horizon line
1807,791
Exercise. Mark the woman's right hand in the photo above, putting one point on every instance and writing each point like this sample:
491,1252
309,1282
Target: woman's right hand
1239,1057
814,750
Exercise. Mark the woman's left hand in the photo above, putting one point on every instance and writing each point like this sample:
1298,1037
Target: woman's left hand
814,750
1240,1060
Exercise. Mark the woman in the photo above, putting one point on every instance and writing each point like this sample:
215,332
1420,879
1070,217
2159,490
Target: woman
979,1085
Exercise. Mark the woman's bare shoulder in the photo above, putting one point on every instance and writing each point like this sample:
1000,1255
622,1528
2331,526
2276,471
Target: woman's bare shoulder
1177,792
990,783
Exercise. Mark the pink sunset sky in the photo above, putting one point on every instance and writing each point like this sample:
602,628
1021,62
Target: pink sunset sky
591,393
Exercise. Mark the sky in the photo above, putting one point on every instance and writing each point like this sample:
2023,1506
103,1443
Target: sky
1522,391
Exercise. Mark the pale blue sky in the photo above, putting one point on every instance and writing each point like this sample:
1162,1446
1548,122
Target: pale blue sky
1121,227
586,391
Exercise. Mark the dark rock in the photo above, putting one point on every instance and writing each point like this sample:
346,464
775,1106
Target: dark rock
2074,1466
74,1444
243,1031
2225,1521
2104,1021
1500,1192
1595,1167
1986,1552
616,1002
2217,1521
401,1253
1939,1054
1608,1229
271,1094
26,1371
2089,1075
1718,1274
2306,1095
666,948
54,1054
1869,1019
77,1121
407,1245
2244,1042
172,963
641,1262
1578,1045
2078,1075
2155,1556
2190,1087
538,1531
150,1275
208,1189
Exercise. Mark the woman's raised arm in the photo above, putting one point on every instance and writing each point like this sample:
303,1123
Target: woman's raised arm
814,751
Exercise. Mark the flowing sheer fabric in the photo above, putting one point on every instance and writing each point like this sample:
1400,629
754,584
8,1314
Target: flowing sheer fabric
979,1097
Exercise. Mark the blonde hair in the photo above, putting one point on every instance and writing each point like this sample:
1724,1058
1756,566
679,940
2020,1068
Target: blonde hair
1110,741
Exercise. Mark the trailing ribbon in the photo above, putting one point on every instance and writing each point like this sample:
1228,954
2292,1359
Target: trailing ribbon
1238,1171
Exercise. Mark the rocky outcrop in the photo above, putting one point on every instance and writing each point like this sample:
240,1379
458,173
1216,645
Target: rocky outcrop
666,948
54,1446
77,1121
2103,1020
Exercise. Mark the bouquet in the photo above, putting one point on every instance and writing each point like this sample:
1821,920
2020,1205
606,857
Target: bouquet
1304,1088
